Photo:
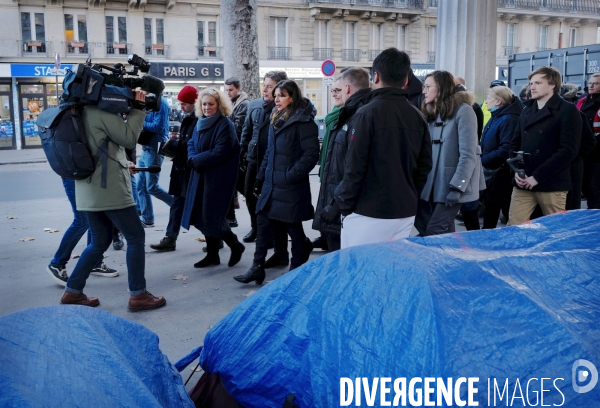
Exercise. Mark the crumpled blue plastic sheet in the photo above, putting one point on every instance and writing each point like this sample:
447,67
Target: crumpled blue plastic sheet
77,356
513,303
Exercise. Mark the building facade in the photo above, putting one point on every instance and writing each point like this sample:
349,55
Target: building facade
183,42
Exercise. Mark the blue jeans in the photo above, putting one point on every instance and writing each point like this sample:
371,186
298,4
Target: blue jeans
101,227
147,183
134,192
75,231
175,216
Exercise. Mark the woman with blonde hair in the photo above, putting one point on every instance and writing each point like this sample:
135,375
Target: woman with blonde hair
495,140
213,155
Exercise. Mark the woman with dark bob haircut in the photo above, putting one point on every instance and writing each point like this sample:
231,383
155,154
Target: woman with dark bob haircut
282,184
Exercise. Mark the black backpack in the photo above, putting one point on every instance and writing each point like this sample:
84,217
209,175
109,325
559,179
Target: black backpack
65,143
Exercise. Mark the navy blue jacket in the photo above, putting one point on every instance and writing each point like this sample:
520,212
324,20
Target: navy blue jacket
497,134
214,153
293,151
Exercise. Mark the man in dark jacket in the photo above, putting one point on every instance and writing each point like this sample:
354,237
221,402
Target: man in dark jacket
549,130
239,100
255,138
589,105
180,172
388,160
354,84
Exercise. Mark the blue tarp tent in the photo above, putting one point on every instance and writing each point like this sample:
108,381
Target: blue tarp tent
510,306
76,356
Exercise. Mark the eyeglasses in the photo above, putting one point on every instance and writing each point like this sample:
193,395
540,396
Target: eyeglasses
335,91
593,83
427,87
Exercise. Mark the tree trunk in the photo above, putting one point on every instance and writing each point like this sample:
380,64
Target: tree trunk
240,45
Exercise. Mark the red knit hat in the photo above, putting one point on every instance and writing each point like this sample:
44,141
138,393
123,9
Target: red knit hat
188,94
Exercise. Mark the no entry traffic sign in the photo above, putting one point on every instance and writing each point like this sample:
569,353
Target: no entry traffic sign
328,68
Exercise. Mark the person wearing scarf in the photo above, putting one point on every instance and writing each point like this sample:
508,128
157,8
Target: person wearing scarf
213,155
330,121
282,184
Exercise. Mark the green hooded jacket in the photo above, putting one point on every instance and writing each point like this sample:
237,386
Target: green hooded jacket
89,195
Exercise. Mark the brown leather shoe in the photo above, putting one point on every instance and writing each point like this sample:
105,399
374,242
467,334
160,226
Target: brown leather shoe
69,298
145,301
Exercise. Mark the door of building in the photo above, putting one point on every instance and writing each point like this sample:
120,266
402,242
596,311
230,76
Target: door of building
34,98
7,124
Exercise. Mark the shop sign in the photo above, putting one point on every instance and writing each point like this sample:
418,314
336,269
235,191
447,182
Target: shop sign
36,70
186,70
295,72
421,70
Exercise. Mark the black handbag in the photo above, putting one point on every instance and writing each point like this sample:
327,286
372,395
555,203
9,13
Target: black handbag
145,137
169,148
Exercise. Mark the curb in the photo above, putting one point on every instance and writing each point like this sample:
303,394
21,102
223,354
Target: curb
24,162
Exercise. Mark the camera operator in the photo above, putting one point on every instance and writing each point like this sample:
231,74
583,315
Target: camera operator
106,198
157,122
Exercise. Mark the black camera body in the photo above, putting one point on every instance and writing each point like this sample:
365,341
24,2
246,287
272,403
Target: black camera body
111,88
517,163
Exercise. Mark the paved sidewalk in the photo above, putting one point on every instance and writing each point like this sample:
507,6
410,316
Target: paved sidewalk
25,156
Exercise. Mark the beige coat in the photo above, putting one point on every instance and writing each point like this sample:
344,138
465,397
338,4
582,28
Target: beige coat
89,195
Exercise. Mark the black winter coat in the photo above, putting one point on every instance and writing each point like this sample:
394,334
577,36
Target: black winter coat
214,151
255,133
292,153
552,135
590,106
180,172
497,134
389,157
335,161
238,115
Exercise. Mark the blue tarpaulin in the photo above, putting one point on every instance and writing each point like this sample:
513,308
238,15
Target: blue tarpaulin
77,356
510,306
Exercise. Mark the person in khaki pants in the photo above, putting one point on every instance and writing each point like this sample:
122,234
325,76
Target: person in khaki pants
549,130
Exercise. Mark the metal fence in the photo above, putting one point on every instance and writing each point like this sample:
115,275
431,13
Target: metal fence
405,4
280,53
559,6
350,55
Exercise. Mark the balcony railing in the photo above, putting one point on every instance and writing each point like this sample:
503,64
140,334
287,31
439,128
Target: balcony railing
510,50
543,48
76,48
209,51
32,47
404,4
373,54
431,57
118,49
350,54
156,50
322,53
558,6
433,3
280,53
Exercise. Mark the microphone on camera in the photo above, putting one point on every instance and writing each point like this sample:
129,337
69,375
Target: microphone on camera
150,169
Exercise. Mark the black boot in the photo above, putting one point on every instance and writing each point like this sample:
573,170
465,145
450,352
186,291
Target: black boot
237,249
251,236
320,243
212,254
278,259
220,246
255,273
166,244
308,247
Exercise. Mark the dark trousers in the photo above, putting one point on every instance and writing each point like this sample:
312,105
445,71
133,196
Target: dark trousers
470,213
333,242
175,217
280,232
424,212
591,183
442,219
494,202
574,195
101,228
248,192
